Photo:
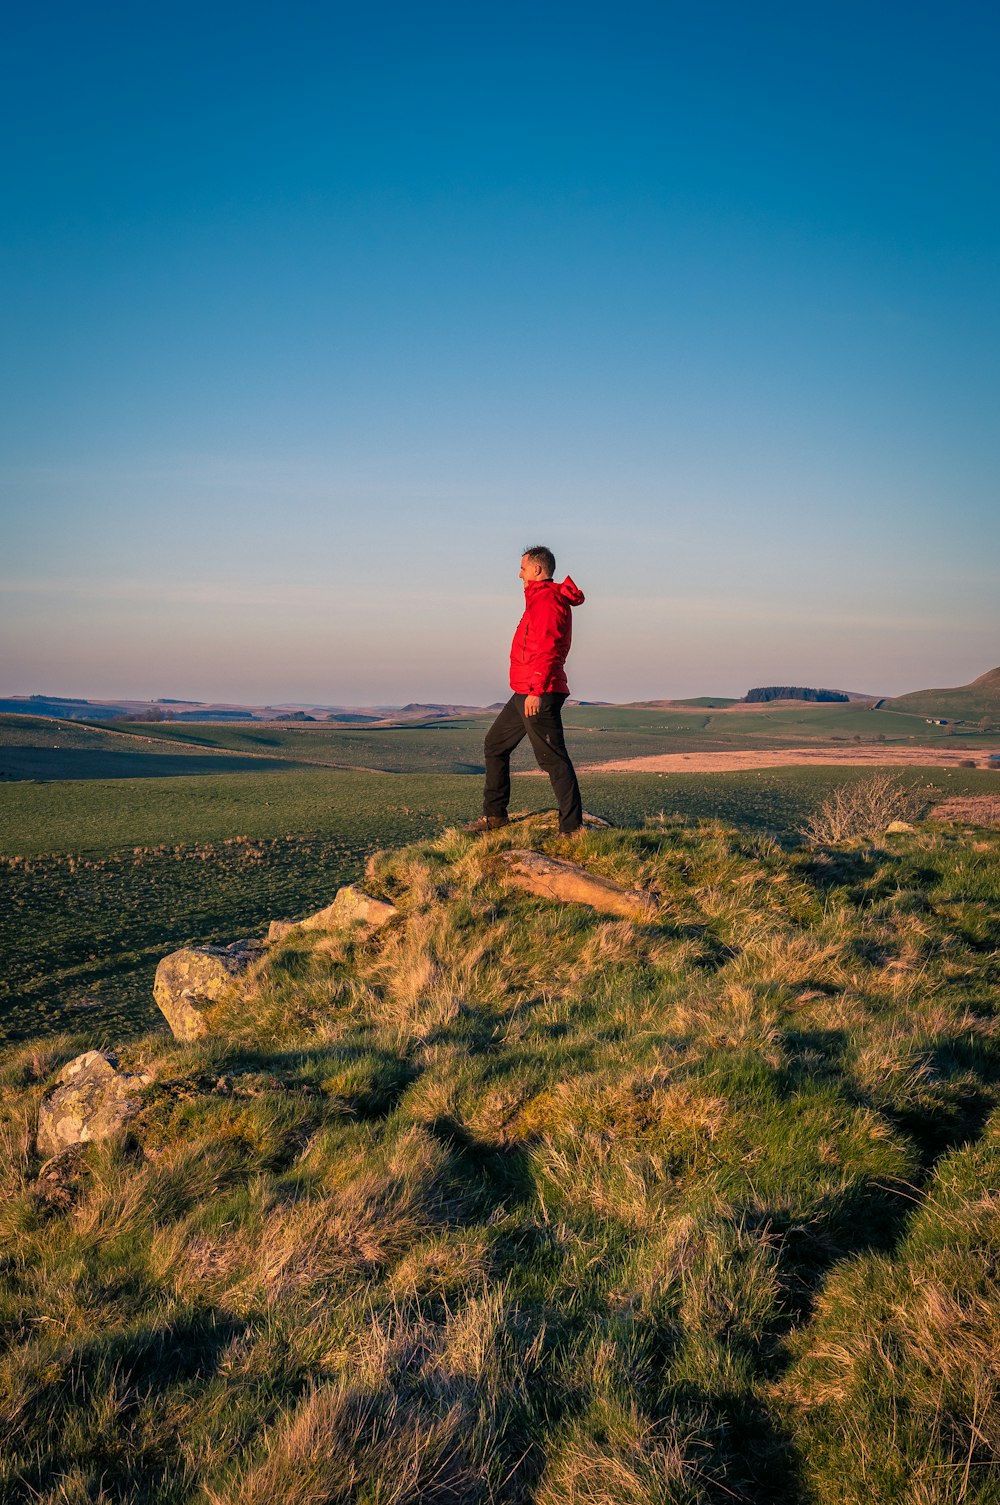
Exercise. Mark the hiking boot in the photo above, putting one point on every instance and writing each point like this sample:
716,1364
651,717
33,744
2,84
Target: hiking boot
487,823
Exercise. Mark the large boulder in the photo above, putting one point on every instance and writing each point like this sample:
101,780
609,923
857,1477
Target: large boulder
568,883
92,1099
189,981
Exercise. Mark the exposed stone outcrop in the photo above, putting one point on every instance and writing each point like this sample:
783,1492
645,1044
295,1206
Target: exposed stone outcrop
189,981
92,1099
568,883
351,906
278,929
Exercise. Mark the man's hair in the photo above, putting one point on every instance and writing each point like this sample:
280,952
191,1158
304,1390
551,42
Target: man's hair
542,556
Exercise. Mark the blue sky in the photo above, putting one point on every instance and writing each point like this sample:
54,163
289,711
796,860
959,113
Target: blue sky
313,316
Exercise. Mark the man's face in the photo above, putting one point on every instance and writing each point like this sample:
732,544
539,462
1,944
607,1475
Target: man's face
531,569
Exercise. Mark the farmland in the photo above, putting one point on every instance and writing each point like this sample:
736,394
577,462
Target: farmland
36,748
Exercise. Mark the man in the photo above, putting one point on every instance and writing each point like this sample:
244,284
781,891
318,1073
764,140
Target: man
538,679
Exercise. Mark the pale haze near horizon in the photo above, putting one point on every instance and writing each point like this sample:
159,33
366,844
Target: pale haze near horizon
312,324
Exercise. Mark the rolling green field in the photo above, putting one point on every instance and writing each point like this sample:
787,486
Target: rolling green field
40,748
598,733
36,748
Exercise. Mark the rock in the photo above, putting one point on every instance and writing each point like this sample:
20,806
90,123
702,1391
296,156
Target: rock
568,883
91,1100
351,906
899,825
189,981
547,819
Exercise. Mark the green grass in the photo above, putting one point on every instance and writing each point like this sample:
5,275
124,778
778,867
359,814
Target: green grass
105,816
103,878
514,1203
41,749
968,702
35,748
597,733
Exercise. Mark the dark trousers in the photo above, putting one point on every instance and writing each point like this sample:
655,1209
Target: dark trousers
545,732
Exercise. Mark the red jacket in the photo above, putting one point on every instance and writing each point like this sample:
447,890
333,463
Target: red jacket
541,642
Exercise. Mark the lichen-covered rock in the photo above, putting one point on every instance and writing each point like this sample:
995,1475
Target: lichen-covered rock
189,981
351,906
92,1099
568,883
278,929
896,826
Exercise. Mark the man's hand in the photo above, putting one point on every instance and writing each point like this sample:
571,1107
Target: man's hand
532,705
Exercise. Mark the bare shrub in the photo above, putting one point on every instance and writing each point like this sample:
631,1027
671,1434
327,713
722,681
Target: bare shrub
864,809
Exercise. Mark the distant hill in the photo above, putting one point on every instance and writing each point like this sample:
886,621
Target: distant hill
58,705
970,702
697,703
792,692
435,708
708,702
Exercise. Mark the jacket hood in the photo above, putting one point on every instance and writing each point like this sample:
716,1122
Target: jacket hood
568,589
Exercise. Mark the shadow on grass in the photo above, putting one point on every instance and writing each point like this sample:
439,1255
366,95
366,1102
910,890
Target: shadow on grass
113,1383
750,1457
492,1179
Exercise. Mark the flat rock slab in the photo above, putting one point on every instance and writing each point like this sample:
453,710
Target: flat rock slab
92,1099
568,883
189,981
543,819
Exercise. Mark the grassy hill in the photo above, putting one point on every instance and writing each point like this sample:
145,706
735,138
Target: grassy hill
44,748
97,876
515,1203
970,702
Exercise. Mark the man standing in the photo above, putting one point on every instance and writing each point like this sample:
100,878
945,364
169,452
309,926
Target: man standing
538,679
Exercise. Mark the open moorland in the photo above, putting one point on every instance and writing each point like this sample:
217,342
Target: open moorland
38,748
513,1202
123,843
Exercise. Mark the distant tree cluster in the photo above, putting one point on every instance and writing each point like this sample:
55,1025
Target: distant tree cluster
792,692
155,713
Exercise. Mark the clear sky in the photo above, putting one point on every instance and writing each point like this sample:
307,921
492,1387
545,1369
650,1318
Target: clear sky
314,315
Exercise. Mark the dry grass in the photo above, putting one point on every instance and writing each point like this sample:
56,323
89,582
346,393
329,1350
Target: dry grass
863,810
509,1202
